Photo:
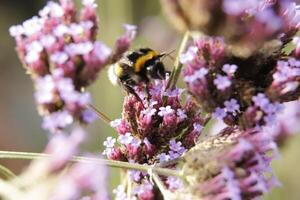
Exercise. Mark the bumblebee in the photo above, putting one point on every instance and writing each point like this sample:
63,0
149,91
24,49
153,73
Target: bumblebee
140,66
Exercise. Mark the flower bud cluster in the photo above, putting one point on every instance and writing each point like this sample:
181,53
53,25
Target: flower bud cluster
59,50
244,91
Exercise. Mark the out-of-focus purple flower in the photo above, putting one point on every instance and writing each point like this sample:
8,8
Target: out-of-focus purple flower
59,50
62,147
240,22
57,120
123,43
145,191
82,178
174,183
287,123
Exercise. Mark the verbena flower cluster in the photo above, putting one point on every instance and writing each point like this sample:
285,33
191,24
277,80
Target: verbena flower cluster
155,131
248,92
59,50
237,70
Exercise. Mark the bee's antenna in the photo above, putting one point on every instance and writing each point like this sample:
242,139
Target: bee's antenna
168,54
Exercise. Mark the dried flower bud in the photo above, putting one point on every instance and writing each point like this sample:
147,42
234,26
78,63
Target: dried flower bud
240,22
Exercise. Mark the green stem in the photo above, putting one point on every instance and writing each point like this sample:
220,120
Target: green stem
8,191
6,172
177,65
111,163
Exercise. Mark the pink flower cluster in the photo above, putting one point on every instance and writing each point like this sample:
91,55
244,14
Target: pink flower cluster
60,52
244,91
154,129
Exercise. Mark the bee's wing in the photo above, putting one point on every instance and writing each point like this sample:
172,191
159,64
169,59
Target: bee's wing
111,75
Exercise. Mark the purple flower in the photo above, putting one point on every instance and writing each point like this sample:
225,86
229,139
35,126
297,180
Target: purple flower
197,127
232,106
59,57
198,75
125,139
144,191
135,175
89,3
115,123
79,48
165,111
260,100
181,114
163,157
219,113
222,82
45,90
189,56
229,69
110,142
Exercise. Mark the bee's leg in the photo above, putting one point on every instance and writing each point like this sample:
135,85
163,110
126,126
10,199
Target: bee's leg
130,90
148,95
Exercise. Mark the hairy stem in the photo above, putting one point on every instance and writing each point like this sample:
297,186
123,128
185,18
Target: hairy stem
166,193
111,163
6,173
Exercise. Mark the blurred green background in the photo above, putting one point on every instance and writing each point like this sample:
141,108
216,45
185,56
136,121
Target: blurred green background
20,128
